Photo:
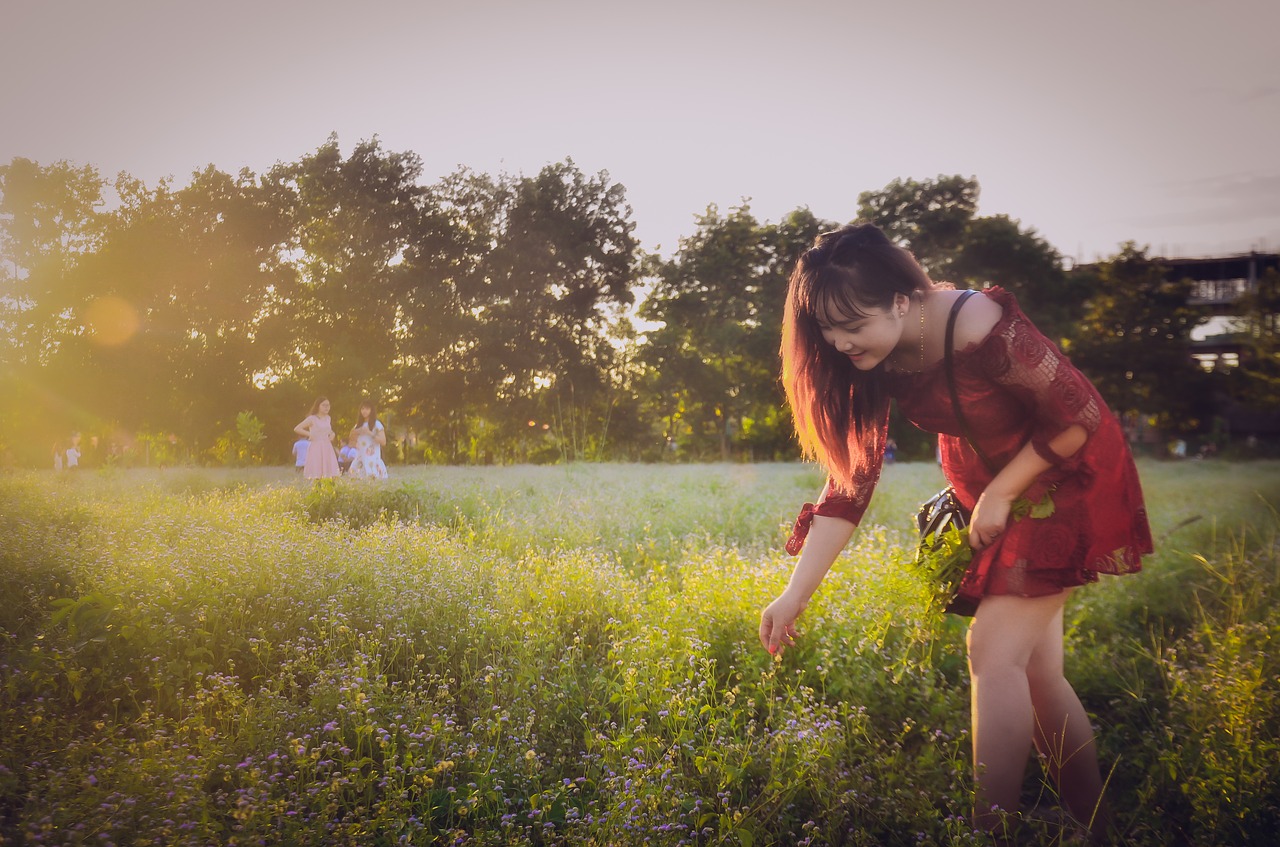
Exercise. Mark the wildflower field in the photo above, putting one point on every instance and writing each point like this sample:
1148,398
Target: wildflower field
568,655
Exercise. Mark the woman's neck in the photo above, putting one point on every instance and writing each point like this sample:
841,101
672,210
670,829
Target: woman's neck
909,353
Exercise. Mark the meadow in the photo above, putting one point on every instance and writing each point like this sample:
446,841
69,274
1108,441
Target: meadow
567,655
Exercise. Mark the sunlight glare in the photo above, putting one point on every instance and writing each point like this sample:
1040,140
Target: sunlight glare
111,321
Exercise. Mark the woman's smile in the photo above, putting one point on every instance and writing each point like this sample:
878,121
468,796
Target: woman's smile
866,338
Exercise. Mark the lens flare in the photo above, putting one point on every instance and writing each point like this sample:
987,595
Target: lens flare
111,321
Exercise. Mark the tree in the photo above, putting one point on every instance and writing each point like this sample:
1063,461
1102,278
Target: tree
996,250
556,278
177,308
49,219
353,221
929,218
243,444
527,283
1135,342
713,364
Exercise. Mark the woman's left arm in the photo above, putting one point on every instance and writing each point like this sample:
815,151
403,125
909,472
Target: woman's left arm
1064,407
380,434
991,514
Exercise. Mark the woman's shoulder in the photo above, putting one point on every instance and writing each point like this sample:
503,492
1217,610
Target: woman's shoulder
978,317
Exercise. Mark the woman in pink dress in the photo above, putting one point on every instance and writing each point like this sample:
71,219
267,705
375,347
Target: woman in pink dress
322,458
864,324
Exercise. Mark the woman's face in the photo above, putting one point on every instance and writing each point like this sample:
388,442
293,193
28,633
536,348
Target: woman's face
324,407
366,412
867,338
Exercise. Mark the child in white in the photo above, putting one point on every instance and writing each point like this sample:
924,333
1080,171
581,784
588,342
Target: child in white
300,453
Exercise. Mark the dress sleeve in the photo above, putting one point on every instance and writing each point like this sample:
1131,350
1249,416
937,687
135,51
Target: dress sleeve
835,502
1030,366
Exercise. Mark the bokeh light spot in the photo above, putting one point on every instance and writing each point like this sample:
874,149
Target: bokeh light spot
111,321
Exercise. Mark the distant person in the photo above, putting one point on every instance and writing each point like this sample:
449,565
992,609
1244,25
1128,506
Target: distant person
300,454
370,437
73,453
865,325
322,457
346,456
59,455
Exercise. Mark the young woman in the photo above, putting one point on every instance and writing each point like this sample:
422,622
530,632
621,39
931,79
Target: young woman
864,324
317,428
370,436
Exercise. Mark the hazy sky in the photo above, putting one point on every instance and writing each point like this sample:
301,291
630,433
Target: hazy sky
1092,121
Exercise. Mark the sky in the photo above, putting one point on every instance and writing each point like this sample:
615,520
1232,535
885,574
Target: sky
1093,122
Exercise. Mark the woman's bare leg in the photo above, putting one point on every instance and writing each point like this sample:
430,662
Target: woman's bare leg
1002,639
1063,734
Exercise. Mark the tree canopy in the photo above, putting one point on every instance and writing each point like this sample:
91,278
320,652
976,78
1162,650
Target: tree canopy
495,318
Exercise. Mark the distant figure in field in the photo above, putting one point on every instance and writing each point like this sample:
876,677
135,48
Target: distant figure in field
59,453
73,453
864,325
370,437
346,456
300,453
322,458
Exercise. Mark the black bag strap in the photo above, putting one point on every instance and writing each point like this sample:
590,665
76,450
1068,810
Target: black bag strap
951,379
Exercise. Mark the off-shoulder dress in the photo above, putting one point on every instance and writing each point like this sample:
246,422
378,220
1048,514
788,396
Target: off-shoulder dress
1015,388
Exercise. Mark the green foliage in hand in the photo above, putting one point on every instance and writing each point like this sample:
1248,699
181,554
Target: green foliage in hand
943,558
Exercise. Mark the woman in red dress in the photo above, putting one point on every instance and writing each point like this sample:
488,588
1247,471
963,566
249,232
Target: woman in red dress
864,324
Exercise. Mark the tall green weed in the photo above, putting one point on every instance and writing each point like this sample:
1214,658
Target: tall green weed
567,655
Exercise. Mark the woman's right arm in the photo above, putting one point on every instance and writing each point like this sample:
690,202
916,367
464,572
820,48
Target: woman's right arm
826,539
304,428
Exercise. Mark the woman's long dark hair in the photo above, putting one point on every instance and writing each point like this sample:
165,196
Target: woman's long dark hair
373,413
849,270
315,407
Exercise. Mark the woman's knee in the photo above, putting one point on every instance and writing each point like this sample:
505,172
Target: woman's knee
1051,696
990,657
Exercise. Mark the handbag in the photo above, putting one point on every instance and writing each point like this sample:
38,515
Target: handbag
942,516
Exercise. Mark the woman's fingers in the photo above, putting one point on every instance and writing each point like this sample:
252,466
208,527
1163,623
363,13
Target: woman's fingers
778,623
772,632
980,538
775,634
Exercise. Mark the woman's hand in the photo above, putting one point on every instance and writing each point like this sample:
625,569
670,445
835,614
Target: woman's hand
778,622
990,517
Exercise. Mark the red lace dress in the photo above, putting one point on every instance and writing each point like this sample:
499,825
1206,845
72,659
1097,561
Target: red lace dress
1016,387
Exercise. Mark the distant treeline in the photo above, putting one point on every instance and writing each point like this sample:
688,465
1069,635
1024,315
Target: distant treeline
494,318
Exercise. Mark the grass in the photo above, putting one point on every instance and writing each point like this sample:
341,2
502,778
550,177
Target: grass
567,655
